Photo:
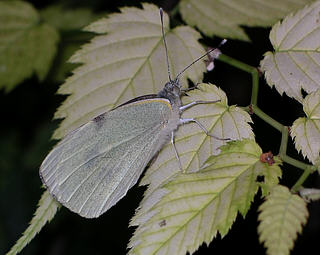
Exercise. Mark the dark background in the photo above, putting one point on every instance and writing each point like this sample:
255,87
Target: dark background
25,131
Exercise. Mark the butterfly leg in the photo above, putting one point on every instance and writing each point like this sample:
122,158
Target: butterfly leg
184,91
185,121
184,107
175,151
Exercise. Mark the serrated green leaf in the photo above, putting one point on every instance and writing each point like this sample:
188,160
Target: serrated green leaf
296,61
224,18
281,218
47,208
193,145
306,131
65,19
127,62
192,208
26,45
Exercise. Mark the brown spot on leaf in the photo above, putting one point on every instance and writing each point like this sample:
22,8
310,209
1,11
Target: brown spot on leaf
162,223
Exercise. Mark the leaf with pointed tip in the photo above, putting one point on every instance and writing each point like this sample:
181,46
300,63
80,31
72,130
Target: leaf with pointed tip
26,44
306,131
127,62
192,208
224,18
281,218
296,61
192,143
47,208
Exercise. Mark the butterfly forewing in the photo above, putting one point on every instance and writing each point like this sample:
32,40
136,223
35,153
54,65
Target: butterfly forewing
93,167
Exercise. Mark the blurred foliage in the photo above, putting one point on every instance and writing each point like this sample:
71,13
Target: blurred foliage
26,44
67,19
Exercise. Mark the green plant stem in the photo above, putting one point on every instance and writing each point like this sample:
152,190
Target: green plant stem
236,63
247,68
284,141
297,163
300,181
255,86
267,118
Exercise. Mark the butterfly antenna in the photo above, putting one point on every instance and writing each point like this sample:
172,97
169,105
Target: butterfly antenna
165,43
195,61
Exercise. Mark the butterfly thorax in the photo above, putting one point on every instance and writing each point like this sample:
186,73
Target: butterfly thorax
172,91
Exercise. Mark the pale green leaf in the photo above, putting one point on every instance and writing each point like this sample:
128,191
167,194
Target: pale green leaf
127,62
193,145
64,18
192,208
306,131
47,208
225,18
310,194
295,63
281,218
26,44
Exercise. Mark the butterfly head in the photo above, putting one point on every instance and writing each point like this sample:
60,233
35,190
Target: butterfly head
172,91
